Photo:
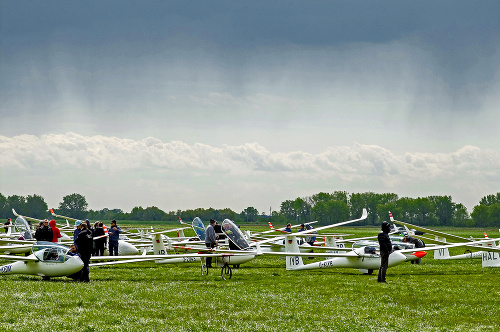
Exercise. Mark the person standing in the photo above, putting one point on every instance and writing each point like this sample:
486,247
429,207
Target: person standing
78,224
44,232
84,243
210,239
385,250
56,233
100,244
311,239
288,228
6,225
114,236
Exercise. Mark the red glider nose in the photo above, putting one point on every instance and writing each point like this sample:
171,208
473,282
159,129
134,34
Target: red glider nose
420,254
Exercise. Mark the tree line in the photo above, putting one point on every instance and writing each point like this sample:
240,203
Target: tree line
326,208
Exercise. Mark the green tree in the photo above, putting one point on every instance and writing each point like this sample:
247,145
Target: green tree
443,209
330,212
36,207
480,215
227,213
5,212
153,213
368,200
423,208
250,214
490,199
302,210
74,205
287,210
461,217
17,203
494,215
136,213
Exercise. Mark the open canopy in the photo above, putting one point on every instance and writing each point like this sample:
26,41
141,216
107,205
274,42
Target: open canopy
234,234
23,227
199,228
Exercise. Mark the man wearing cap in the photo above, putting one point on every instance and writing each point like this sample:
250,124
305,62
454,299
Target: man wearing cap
310,239
210,239
78,224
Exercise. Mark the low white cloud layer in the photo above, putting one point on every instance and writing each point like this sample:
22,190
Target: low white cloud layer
150,168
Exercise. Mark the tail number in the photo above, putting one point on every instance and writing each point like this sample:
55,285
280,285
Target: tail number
294,260
5,269
442,252
326,264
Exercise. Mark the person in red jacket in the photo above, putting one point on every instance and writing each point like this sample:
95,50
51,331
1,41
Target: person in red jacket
56,233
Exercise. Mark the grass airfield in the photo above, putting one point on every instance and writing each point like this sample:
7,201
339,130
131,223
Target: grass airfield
434,296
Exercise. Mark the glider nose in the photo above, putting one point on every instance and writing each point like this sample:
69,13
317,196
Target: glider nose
420,254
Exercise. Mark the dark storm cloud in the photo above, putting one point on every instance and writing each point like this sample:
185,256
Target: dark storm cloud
451,25
102,56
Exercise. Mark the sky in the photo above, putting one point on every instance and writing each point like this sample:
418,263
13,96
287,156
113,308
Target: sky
232,104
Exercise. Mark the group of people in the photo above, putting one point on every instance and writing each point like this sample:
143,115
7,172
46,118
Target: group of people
47,231
99,239
303,227
84,245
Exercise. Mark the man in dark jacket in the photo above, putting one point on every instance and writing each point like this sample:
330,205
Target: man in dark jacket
84,243
418,244
100,244
385,250
114,236
210,239
44,232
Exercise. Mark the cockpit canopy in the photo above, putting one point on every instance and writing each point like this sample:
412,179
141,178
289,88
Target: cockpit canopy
23,227
50,252
199,228
366,243
234,234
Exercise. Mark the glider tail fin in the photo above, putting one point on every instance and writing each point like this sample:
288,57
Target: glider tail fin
330,242
291,245
442,253
391,217
158,245
180,233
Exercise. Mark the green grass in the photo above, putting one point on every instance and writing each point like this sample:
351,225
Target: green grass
262,295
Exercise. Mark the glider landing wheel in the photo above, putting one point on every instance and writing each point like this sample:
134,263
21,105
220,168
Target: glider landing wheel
226,272
370,272
204,270
45,278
